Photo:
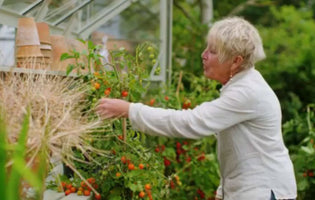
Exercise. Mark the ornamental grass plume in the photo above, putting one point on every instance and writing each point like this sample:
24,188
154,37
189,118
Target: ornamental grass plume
60,118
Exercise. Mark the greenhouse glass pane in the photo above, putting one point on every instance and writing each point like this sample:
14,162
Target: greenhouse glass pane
139,22
19,6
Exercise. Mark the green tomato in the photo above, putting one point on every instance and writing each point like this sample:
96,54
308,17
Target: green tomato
104,172
149,48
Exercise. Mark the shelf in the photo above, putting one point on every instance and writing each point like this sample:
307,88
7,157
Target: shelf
35,71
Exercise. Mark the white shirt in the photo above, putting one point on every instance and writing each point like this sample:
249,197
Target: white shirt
247,120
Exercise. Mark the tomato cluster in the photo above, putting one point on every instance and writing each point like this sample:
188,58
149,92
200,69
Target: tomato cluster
83,189
308,173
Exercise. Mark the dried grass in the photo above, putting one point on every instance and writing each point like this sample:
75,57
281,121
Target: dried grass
59,120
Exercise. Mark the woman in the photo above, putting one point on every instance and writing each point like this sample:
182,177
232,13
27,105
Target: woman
246,118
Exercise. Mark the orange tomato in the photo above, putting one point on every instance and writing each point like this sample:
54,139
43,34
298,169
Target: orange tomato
131,166
118,174
97,85
63,184
107,92
141,166
141,194
86,192
73,189
147,186
83,184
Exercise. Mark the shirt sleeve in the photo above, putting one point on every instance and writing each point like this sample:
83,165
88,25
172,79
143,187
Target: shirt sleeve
210,117
219,192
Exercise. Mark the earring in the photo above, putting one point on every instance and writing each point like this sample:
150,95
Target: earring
231,75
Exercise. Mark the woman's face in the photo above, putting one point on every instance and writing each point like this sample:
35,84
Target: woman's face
212,68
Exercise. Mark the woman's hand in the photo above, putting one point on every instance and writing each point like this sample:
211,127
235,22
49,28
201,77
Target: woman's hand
111,108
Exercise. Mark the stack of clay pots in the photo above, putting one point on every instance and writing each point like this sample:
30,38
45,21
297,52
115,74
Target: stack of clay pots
45,43
28,53
36,48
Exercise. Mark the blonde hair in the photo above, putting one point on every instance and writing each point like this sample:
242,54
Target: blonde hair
235,36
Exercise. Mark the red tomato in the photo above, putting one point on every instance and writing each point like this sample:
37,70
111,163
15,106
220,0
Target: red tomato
121,137
186,104
69,186
167,162
91,180
201,157
123,159
124,93
67,192
152,101
97,196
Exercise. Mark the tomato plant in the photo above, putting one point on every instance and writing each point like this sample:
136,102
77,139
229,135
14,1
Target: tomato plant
135,165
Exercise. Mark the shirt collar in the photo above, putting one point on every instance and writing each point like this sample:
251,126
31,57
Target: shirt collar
236,77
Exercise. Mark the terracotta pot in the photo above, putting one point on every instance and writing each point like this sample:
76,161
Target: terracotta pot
28,51
32,63
59,46
43,32
27,34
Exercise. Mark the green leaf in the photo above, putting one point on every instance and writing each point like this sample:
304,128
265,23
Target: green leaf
69,69
303,185
65,56
307,150
91,45
2,156
15,176
27,174
81,40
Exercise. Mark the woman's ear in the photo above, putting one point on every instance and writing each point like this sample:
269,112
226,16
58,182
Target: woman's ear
236,64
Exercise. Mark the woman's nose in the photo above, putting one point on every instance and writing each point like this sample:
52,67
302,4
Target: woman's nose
203,56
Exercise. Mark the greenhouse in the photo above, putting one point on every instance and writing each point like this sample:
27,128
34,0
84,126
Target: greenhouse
157,99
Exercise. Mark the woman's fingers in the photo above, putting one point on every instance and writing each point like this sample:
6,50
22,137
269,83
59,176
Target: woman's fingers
110,108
